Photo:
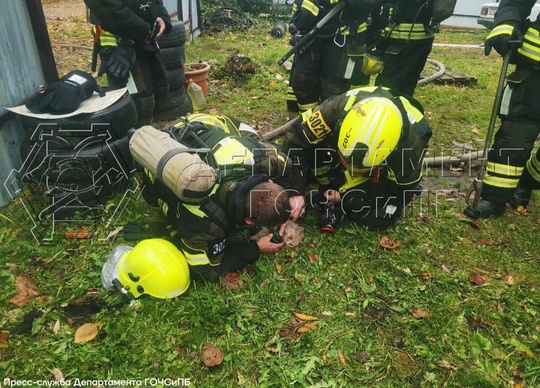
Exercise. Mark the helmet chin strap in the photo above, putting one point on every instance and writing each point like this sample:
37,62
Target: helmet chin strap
123,290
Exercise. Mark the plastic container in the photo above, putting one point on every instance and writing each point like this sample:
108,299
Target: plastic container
278,31
196,94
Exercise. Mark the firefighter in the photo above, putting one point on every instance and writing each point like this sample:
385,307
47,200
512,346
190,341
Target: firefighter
332,60
512,172
365,149
245,195
405,39
127,31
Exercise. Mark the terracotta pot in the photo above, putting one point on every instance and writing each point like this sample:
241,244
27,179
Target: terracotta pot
198,72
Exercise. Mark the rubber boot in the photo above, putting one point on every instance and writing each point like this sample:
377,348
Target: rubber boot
485,209
521,197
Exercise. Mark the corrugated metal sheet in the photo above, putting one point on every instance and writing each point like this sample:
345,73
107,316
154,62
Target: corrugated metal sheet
20,76
188,12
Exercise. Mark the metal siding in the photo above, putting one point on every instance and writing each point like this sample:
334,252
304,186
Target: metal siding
20,77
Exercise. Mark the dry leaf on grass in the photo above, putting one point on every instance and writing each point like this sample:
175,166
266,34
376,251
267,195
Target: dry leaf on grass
341,358
26,291
362,357
445,365
304,317
421,314
307,327
3,340
232,281
313,257
211,355
77,234
87,332
389,243
477,278
58,375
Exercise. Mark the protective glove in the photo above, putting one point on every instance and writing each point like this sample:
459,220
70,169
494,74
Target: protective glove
118,63
134,231
500,38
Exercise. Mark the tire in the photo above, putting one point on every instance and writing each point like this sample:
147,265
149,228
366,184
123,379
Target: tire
174,113
176,79
174,99
93,161
116,120
176,38
172,57
145,109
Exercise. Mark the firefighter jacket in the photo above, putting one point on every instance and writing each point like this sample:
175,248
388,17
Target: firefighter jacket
516,12
129,19
204,230
309,12
312,145
407,20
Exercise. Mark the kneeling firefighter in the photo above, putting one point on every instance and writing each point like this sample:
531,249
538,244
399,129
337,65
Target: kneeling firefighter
512,171
233,188
365,149
125,33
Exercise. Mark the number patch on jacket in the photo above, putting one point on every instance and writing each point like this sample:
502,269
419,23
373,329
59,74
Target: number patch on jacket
318,128
215,248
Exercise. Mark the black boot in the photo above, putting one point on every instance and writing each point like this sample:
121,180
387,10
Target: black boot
485,209
521,197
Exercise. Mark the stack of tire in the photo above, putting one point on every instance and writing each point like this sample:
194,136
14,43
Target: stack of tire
78,162
173,53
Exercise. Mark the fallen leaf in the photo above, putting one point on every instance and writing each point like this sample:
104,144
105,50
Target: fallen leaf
313,257
3,340
350,315
426,219
326,313
341,358
279,268
421,314
445,268
26,291
362,357
477,278
486,243
56,327
303,329
522,210
516,372
58,375
250,270
304,317
445,365
426,276
211,355
509,279
471,223
310,325
232,281
77,233
87,332
44,299
475,322
389,243
114,232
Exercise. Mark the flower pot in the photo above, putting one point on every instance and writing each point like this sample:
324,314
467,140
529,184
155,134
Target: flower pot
198,72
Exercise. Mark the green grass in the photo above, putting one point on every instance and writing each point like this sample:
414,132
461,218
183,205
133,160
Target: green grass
363,294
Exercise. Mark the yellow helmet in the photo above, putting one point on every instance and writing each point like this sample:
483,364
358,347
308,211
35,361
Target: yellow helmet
154,267
369,133
372,64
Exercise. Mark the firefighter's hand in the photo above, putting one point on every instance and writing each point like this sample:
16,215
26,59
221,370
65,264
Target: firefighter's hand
297,204
161,27
118,63
502,38
267,246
